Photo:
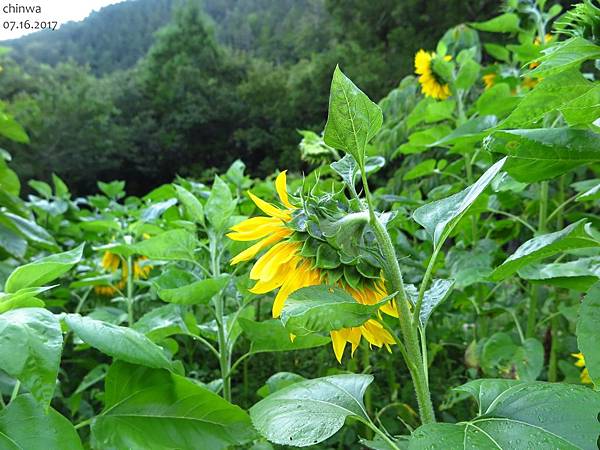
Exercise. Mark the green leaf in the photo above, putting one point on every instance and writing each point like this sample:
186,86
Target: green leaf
544,153
25,426
422,169
550,94
471,131
155,409
23,298
32,231
420,141
279,381
119,342
440,217
565,55
515,414
272,336
324,308
10,129
578,275
436,294
583,110
311,411
504,23
173,245
530,360
194,210
588,332
220,204
43,270
576,235
347,168
467,75
30,350
497,100
199,292
353,119
162,322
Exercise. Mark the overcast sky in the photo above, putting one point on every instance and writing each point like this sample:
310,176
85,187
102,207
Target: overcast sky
52,10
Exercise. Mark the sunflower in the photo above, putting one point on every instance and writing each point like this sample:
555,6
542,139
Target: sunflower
286,266
112,262
431,84
585,374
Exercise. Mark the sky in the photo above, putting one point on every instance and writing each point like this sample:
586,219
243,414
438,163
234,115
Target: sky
60,11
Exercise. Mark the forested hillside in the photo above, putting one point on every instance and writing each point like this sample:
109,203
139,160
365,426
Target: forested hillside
179,84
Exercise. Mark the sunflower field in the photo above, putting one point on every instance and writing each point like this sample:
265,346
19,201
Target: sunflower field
433,282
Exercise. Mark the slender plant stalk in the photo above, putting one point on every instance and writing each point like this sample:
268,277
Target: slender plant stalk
408,330
224,354
130,317
536,292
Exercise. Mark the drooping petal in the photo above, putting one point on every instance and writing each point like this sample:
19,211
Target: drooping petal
253,222
266,266
281,186
338,340
251,252
256,233
269,209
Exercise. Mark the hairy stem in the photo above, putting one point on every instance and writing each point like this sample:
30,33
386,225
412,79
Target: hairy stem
409,332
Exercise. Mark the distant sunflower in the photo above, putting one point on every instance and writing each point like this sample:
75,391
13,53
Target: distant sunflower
283,267
489,79
431,84
585,374
112,262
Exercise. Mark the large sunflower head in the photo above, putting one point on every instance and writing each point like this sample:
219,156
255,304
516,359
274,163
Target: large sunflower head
585,374
432,85
316,240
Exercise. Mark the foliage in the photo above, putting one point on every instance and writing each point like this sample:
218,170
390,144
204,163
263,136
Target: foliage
451,243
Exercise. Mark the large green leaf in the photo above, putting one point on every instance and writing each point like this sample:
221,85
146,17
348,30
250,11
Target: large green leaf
30,350
155,409
584,109
565,55
43,270
580,274
11,129
162,322
220,204
119,342
32,231
170,245
514,415
353,119
25,426
588,332
550,94
576,235
309,412
322,309
436,294
199,292
272,336
23,298
544,153
471,131
504,23
194,210
440,217
500,355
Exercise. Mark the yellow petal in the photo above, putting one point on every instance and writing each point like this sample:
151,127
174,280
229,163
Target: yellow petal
258,232
269,209
281,186
267,265
264,286
251,252
253,222
338,339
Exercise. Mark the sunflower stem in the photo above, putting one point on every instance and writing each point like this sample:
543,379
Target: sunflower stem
224,353
413,355
130,291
